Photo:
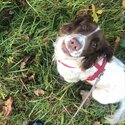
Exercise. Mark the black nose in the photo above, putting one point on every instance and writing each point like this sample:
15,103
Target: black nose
74,45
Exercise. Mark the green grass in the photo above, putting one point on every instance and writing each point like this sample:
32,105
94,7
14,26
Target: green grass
40,20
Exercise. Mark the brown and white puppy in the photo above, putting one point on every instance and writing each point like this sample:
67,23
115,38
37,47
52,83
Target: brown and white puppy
82,53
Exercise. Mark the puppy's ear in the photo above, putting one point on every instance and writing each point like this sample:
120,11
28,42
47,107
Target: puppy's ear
66,29
107,51
102,49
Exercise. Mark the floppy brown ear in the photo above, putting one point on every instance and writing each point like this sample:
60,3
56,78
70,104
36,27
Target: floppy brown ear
105,51
66,29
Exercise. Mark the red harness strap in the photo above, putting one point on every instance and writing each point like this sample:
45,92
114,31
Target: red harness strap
100,68
65,64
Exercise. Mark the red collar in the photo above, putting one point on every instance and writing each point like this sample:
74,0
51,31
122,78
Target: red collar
65,64
100,68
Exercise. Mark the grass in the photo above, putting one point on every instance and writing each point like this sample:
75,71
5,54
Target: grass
33,30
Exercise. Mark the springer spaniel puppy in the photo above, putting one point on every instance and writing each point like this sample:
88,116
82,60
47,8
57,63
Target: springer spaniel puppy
82,54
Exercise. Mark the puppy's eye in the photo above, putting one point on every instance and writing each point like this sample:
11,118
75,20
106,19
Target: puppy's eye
93,43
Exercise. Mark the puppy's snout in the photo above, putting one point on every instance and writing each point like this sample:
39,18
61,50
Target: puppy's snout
74,44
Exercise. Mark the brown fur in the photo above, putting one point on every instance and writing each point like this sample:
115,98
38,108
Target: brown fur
96,45
100,48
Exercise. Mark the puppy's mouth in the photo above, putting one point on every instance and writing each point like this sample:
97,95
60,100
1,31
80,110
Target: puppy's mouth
64,49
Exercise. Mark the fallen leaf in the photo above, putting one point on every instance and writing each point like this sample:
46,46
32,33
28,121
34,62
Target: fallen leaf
117,41
26,60
7,108
39,92
93,8
32,76
97,123
24,80
123,3
99,11
94,15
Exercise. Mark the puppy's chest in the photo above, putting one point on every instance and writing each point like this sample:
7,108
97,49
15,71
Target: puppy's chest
68,73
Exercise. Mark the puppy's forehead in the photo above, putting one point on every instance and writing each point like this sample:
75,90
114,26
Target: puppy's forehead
81,37
84,26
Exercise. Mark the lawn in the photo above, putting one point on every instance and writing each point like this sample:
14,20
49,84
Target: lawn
28,29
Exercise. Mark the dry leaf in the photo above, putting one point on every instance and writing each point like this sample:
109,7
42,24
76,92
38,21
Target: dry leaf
26,60
39,92
25,80
93,8
117,41
7,108
97,123
32,76
99,11
94,15
123,3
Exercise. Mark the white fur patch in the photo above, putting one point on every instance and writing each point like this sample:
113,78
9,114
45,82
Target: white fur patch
111,87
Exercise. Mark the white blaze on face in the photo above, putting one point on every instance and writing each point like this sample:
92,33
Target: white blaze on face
67,38
80,38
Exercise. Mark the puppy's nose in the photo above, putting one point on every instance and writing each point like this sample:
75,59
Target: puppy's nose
74,44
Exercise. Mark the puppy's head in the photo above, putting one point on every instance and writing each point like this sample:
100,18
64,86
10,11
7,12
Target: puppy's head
83,38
